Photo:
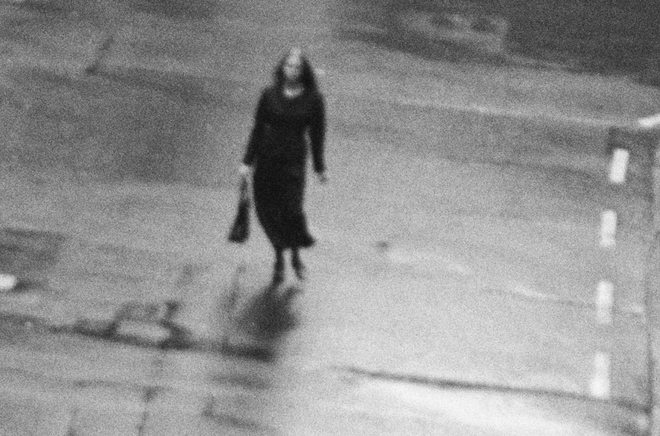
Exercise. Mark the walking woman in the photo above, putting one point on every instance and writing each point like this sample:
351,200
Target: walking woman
290,117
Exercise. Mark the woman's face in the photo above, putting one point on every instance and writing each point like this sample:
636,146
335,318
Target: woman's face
292,68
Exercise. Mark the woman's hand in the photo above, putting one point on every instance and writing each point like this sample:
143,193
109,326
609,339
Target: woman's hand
244,170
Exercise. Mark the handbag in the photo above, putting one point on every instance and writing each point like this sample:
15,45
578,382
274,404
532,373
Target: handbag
240,230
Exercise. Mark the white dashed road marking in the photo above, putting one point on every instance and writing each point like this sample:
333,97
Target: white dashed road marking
619,165
600,384
604,302
649,122
601,381
7,282
608,229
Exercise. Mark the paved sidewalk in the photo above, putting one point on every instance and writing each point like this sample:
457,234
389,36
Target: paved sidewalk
135,397
125,289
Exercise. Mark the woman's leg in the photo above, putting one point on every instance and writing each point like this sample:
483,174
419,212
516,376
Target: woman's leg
297,264
278,269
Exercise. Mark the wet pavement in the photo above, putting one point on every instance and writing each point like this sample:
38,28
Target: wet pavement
453,287
590,36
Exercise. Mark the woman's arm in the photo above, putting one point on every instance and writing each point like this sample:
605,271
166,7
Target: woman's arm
317,134
257,133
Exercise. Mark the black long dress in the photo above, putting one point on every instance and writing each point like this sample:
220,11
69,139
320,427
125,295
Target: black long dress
284,128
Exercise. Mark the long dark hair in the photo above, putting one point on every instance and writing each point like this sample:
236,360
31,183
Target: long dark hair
307,75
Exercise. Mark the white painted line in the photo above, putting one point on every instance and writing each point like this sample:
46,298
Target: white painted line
427,260
649,122
619,165
608,229
510,113
600,384
604,302
7,282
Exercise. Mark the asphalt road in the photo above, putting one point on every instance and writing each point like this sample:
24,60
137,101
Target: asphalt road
459,234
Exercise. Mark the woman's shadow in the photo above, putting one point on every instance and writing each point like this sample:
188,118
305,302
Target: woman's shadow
261,321
269,314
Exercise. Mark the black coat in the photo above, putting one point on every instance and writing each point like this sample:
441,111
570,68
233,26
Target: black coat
284,129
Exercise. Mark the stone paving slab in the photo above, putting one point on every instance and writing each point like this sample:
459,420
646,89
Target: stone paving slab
176,423
176,413
32,417
33,406
107,417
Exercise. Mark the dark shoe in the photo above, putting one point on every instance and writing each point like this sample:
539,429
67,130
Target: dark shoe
278,273
301,273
